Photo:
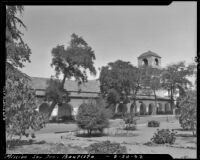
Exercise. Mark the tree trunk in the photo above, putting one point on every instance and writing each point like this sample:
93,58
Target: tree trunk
134,101
53,104
155,101
172,98
63,82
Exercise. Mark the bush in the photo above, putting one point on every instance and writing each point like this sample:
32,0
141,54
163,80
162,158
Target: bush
153,123
130,122
20,105
106,147
188,117
117,115
130,128
66,118
164,136
92,117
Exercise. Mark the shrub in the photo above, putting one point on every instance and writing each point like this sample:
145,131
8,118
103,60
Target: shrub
130,122
66,118
117,115
188,105
106,147
20,105
164,136
153,123
130,128
92,117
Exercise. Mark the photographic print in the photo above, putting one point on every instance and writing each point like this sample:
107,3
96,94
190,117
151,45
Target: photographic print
101,79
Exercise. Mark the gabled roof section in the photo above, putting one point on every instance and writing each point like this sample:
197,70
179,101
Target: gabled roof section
149,53
40,83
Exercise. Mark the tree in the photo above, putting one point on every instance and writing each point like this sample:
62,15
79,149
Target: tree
152,79
121,79
73,61
175,77
17,51
20,101
116,77
92,117
188,111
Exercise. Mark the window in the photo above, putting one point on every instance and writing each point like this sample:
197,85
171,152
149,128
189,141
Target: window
145,62
156,62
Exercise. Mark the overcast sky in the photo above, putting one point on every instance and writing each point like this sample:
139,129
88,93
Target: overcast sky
114,32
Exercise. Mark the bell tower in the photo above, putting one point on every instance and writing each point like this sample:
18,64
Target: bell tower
149,58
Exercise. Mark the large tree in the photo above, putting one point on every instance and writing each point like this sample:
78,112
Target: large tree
116,75
152,79
72,62
17,51
119,80
20,101
175,78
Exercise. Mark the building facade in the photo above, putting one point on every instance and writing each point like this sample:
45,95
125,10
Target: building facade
145,104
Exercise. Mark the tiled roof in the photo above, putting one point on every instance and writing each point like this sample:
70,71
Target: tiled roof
39,83
149,53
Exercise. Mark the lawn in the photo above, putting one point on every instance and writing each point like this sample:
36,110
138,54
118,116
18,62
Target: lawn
62,138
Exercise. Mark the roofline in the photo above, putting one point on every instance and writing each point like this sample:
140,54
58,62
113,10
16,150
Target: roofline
148,56
71,91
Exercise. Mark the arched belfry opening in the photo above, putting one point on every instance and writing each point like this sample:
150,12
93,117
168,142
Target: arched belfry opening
145,62
156,62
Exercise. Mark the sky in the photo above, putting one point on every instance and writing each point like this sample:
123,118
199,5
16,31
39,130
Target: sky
113,32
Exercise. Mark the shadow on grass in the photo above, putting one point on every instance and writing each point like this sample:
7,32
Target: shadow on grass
17,142
185,135
181,129
90,135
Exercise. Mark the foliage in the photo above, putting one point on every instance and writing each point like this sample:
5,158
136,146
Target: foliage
164,136
117,115
66,118
113,96
17,51
130,121
55,92
106,147
73,62
151,79
20,101
92,117
175,77
153,123
188,111
117,78
20,109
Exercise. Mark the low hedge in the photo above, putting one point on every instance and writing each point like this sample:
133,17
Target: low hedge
153,123
106,147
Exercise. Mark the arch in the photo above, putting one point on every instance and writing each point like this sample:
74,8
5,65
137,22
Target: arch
160,109
132,108
65,110
142,108
122,108
145,62
44,108
168,108
151,108
156,62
